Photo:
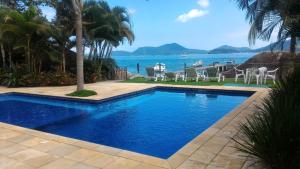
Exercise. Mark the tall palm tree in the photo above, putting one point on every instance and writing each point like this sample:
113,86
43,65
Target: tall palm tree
63,29
106,27
26,26
3,12
78,7
267,15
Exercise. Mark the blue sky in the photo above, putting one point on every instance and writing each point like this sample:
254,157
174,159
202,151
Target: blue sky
199,24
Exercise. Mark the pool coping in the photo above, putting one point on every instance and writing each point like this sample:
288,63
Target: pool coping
176,159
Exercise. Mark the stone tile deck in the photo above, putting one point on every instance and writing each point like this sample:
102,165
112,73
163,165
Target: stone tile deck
22,148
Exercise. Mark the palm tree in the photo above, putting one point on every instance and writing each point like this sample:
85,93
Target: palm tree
63,29
26,25
265,16
77,8
30,29
105,28
3,12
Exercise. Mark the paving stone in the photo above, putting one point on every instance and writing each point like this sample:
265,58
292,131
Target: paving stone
27,154
33,142
122,163
211,147
20,165
63,150
82,166
202,156
20,138
6,162
40,160
12,149
5,144
82,155
46,146
191,164
100,160
59,163
146,166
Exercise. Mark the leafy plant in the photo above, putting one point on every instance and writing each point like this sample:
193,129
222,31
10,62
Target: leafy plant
272,134
11,78
269,15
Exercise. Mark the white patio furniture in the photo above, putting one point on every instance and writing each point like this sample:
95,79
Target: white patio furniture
191,73
179,75
159,70
160,67
202,73
261,75
213,73
239,73
271,74
257,73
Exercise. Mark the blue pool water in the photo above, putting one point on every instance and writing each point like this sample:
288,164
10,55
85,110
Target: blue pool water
155,122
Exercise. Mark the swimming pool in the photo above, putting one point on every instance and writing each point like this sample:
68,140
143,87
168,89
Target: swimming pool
157,121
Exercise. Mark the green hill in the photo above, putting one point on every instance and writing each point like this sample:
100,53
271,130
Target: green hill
229,49
168,49
176,49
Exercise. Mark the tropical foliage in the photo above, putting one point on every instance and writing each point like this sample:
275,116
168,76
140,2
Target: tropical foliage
31,46
272,134
268,16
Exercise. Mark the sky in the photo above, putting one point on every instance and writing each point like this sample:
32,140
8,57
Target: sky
198,24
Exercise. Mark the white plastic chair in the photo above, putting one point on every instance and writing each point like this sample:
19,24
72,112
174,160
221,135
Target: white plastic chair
239,73
258,73
159,70
179,76
213,72
261,75
271,74
160,67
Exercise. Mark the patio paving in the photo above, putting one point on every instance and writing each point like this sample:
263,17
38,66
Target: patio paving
22,148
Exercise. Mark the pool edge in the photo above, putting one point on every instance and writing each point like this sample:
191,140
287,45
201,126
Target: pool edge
176,159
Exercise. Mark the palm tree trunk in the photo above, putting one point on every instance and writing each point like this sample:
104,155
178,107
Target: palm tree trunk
28,54
10,58
79,49
293,45
3,55
63,57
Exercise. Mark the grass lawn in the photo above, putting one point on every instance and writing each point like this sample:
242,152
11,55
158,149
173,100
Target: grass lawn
82,93
227,81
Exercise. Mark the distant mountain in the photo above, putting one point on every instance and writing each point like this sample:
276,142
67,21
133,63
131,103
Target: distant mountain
286,47
168,49
229,49
176,49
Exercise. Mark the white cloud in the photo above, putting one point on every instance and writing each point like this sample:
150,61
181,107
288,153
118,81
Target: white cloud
194,13
203,3
131,11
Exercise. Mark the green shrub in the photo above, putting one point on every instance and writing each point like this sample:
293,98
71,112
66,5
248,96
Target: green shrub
11,77
272,134
16,79
83,93
97,70
109,66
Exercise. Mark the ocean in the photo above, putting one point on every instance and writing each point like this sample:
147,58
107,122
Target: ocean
176,62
